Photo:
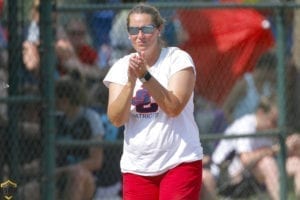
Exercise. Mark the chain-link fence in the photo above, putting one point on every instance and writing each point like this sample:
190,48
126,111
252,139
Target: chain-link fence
54,55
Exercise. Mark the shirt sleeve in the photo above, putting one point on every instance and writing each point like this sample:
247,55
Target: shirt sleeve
181,60
118,72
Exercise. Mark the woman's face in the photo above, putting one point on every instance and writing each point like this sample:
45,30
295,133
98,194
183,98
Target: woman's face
76,33
146,34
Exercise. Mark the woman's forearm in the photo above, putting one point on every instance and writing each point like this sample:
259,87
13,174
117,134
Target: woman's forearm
119,107
173,99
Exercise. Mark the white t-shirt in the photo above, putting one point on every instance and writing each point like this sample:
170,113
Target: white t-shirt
242,126
154,142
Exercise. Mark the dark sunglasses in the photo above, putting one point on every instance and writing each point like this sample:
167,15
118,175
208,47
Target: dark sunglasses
75,32
145,29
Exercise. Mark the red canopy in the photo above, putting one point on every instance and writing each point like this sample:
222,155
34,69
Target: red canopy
224,44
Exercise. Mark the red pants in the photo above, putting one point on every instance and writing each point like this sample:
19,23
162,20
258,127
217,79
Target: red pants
180,183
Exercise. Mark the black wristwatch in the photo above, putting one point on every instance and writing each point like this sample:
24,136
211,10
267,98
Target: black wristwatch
146,77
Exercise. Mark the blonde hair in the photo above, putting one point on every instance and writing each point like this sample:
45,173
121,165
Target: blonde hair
144,8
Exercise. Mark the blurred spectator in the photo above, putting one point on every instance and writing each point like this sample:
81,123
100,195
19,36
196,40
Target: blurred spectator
108,181
208,191
75,55
30,73
256,155
247,91
30,120
77,165
30,145
79,169
32,33
76,50
79,38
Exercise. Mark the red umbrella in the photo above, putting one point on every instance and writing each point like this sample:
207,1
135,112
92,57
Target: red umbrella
1,6
224,45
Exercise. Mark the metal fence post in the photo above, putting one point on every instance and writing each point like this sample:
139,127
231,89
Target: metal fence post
47,73
281,101
14,52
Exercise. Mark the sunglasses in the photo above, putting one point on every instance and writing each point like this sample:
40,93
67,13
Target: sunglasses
132,30
76,32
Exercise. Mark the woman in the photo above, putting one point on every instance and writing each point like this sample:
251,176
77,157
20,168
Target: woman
151,94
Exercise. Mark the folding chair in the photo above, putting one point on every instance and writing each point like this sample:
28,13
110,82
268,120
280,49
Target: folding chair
245,187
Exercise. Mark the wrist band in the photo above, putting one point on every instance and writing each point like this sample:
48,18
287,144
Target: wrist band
146,77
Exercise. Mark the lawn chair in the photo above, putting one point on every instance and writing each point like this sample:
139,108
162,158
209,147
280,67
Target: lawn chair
243,186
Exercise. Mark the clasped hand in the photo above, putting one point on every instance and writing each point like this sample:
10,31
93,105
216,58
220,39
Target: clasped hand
137,66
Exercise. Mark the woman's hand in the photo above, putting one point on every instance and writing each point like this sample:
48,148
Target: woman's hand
137,65
64,50
31,56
